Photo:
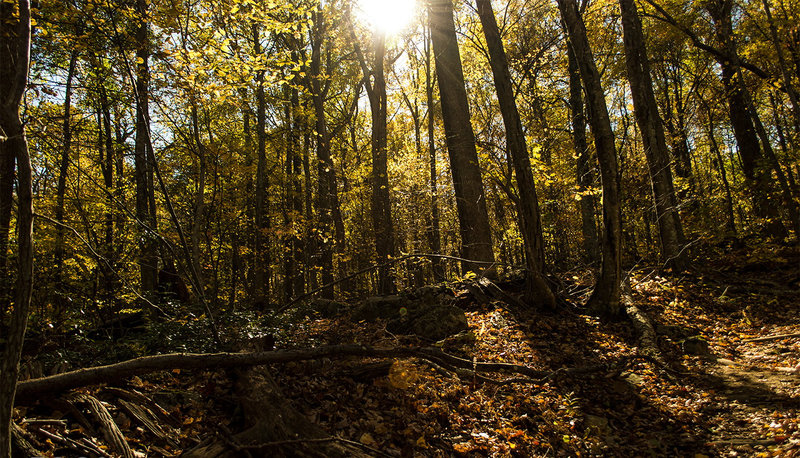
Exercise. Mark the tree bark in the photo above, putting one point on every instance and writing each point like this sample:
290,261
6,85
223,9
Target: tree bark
381,204
538,292
787,78
63,169
199,196
15,40
434,232
605,298
327,198
584,169
652,131
148,257
261,248
754,165
473,217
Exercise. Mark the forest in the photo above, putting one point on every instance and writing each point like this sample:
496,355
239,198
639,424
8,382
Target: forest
399,228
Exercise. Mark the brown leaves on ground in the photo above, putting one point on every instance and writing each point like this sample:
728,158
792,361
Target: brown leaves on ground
736,398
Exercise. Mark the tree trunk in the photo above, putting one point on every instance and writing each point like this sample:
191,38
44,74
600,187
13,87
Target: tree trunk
199,196
652,131
473,217
730,225
15,39
7,163
262,261
584,169
327,198
148,258
381,205
528,204
434,232
787,78
605,298
754,165
63,169
293,282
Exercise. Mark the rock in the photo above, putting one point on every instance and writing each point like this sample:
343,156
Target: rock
632,378
431,293
695,345
438,322
385,307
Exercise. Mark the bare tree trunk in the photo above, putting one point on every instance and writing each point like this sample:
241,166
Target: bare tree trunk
652,131
473,217
199,196
63,169
148,258
754,165
326,175
434,232
605,298
15,39
262,261
584,169
787,78
731,220
381,205
528,204
7,164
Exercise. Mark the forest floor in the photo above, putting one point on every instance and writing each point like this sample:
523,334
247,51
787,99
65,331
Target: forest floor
726,394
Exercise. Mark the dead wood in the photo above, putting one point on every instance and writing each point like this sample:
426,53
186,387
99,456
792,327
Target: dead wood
31,390
147,419
20,445
775,337
648,339
111,432
141,399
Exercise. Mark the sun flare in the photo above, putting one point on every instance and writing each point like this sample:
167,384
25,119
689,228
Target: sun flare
388,16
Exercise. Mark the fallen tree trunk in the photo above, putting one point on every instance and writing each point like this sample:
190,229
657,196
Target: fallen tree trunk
30,390
648,339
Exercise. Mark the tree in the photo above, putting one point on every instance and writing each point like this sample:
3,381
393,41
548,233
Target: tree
583,168
528,204
375,83
605,297
15,39
473,217
145,189
655,146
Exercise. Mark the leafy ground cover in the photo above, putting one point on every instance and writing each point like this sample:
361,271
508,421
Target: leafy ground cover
725,392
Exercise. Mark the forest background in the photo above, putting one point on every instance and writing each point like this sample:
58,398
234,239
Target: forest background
205,162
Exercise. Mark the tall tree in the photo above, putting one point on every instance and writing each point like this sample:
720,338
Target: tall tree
63,168
584,169
605,297
528,204
327,202
15,40
434,232
755,165
375,84
145,200
473,217
262,262
652,130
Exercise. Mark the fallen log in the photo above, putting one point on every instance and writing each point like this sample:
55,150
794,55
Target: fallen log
775,337
30,390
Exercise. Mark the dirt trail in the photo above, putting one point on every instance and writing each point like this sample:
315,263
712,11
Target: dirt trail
755,398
